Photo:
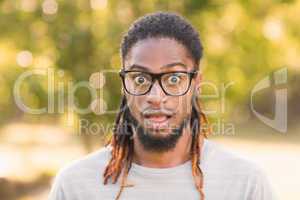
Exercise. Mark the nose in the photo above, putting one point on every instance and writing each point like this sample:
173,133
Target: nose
156,95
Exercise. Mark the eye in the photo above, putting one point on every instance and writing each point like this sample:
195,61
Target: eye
173,79
140,80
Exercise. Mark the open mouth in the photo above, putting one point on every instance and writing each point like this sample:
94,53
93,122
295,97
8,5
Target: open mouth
158,118
157,121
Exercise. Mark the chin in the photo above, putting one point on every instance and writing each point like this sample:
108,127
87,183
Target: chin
159,140
161,133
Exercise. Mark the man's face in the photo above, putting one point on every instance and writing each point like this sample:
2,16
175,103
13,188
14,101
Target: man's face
157,112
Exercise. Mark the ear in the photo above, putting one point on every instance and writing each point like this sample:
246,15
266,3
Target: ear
123,92
198,80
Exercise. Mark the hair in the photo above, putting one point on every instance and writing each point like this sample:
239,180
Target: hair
156,25
163,25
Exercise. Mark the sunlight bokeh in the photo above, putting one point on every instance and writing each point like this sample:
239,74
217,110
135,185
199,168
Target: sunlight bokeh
60,88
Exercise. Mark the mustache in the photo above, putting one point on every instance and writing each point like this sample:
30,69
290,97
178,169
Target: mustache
151,111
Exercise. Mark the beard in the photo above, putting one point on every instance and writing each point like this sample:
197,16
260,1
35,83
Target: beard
154,142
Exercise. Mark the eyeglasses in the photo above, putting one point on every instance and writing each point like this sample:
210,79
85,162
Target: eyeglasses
172,83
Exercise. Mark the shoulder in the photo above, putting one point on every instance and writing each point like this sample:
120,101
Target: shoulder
89,165
218,158
79,175
236,170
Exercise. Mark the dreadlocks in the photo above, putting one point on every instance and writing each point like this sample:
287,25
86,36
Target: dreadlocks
160,24
122,147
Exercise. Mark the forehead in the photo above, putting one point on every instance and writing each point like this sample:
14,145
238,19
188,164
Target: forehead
153,53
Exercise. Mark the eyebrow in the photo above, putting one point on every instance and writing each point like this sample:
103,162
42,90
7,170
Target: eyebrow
175,64
136,66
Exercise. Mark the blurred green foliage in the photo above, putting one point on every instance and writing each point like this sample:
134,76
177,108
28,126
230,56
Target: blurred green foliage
243,42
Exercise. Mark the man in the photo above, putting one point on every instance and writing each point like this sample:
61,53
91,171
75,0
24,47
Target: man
159,148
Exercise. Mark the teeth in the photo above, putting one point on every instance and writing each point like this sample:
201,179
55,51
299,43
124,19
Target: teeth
158,118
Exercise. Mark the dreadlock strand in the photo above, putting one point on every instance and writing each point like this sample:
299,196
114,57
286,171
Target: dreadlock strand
117,120
197,142
122,148
112,170
128,163
120,160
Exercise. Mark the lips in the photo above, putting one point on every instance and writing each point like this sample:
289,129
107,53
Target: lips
157,118
157,121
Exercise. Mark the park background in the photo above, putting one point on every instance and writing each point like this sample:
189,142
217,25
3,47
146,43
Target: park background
78,42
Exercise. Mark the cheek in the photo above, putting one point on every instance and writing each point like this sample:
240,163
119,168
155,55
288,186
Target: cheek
184,104
135,104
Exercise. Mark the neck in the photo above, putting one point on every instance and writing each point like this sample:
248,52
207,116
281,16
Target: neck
179,155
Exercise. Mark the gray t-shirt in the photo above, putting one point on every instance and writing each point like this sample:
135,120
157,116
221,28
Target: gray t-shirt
226,176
